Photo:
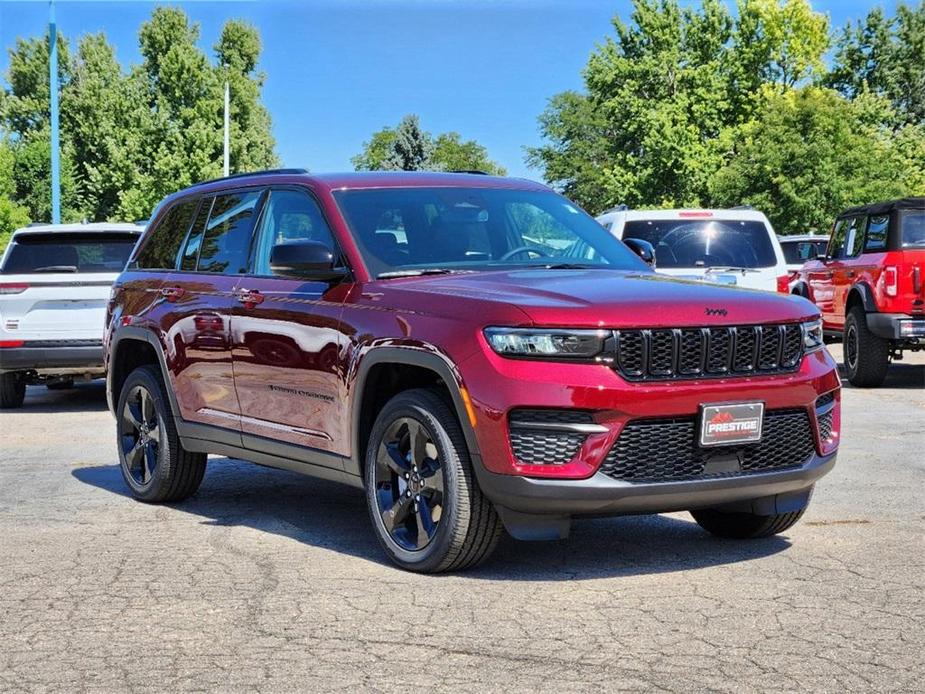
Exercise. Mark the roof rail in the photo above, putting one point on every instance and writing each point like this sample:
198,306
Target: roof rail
616,208
265,172
742,207
475,172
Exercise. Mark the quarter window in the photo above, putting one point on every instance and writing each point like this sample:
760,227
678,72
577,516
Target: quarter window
289,215
194,240
227,238
163,242
877,229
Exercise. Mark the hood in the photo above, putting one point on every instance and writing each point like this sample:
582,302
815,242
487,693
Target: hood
598,298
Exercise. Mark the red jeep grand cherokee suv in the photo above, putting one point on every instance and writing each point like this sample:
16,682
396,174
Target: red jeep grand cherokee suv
870,285
476,353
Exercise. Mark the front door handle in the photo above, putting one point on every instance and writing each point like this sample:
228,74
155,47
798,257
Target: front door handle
850,273
173,293
249,297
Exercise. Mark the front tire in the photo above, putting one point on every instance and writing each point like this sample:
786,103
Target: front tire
867,357
154,465
745,526
424,502
12,389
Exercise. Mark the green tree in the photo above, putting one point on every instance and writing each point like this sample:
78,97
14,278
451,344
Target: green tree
885,56
810,155
411,149
12,215
447,151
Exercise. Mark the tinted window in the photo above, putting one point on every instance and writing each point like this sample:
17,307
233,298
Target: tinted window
194,241
413,228
854,243
289,215
69,252
162,243
913,226
226,243
836,247
877,229
798,252
682,243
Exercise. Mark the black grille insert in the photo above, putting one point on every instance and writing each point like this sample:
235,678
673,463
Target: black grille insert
661,450
542,437
671,353
825,415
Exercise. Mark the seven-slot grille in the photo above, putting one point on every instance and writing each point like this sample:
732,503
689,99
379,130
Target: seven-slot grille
673,353
663,450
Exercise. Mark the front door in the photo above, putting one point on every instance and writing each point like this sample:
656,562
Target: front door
843,277
203,292
821,274
288,340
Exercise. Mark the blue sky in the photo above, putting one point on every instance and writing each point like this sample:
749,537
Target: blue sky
337,70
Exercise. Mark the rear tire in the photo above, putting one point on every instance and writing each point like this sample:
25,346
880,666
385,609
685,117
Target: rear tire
867,357
424,502
745,526
154,465
12,389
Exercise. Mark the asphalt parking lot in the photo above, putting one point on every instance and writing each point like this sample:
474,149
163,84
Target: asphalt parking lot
267,581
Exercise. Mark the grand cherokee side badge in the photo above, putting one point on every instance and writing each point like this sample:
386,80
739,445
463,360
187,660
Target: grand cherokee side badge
715,311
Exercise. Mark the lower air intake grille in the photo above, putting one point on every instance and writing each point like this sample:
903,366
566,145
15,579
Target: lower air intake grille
662,450
541,437
825,414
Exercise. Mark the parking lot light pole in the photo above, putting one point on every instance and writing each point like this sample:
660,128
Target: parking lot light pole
227,135
53,87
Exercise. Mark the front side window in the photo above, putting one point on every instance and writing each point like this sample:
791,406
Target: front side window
913,226
68,252
420,228
854,243
836,247
798,252
227,238
692,243
161,244
289,215
877,229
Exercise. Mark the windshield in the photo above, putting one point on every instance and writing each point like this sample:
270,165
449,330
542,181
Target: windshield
913,229
417,229
798,252
682,243
68,252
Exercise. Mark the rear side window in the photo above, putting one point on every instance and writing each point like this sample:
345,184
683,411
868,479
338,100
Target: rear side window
226,243
877,229
854,243
68,252
163,242
194,241
913,226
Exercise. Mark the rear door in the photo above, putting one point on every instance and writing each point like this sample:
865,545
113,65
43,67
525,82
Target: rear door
288,340
202,294
55,285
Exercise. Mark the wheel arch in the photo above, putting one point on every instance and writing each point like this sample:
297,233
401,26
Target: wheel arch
862,294
130,348
375,384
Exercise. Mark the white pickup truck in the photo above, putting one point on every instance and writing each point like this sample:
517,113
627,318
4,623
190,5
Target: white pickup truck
55,281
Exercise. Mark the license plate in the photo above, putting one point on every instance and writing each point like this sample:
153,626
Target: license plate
726,424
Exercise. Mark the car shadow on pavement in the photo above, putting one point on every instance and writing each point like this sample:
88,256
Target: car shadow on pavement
899,376
332,516
83,397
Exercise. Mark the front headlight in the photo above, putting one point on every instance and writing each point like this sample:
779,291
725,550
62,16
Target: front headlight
812,335
546,343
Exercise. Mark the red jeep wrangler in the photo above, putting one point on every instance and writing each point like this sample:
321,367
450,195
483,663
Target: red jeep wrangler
870,285
476,353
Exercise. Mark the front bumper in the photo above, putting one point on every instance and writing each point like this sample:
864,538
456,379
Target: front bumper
602,495
48,356
896,326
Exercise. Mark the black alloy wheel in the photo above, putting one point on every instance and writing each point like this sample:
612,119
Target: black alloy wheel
139,435
409,484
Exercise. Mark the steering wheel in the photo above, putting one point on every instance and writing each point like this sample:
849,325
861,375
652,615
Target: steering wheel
523,249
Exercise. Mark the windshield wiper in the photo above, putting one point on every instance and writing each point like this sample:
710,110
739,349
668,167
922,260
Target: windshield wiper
56,268
418,273
729,268
571,266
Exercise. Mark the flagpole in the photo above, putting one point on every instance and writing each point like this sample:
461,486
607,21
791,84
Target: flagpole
53,88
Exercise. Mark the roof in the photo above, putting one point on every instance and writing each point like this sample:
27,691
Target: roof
688,213
885,207
92,228
801,237
361,179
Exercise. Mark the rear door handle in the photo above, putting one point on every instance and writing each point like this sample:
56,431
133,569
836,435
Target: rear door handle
172,293
250,297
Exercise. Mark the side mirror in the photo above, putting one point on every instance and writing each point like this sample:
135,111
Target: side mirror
643,249
822,258
309,260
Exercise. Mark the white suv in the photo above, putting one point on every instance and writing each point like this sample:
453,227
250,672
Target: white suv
735,246
55,281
